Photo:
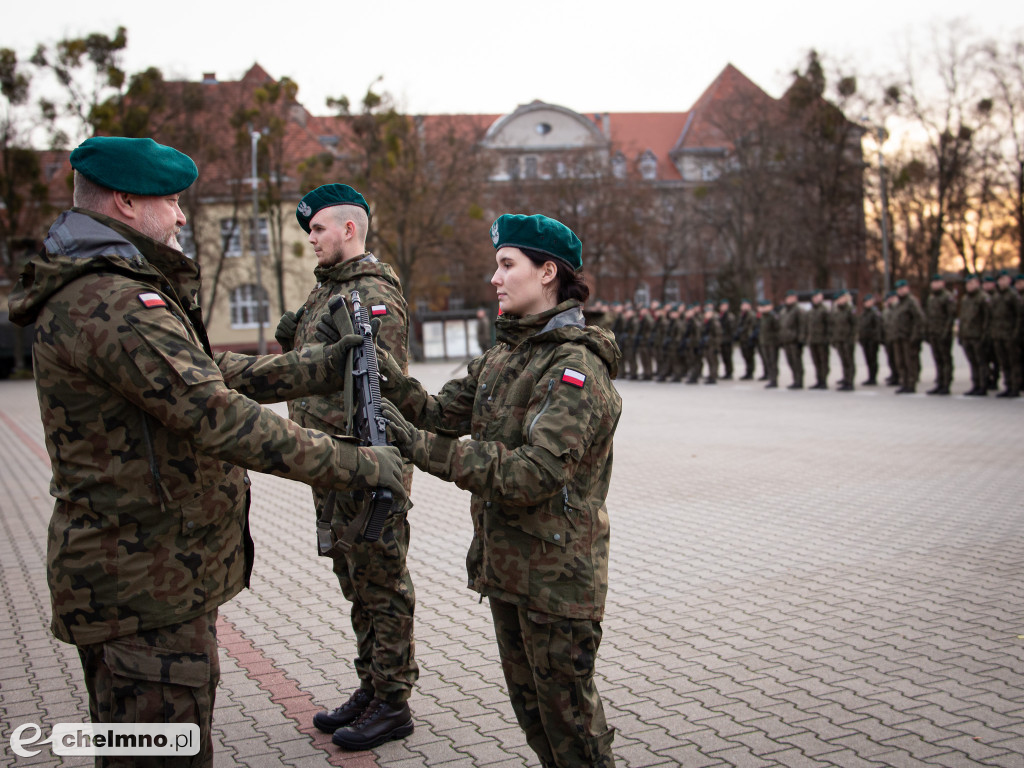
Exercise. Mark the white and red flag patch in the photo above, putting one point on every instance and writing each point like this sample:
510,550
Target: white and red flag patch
152,300
569,376
378,309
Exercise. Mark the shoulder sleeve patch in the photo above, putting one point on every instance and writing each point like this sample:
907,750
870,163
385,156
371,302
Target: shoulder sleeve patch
378,309
151,300
577,379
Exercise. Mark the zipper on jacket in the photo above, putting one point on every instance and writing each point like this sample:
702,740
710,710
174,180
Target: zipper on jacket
543,408
153,467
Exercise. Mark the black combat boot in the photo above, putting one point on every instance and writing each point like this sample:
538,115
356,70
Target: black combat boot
772,384
380,722
349,712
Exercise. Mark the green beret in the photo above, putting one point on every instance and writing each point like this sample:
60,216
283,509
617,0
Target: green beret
538,233
938,277
900,283
843,292
1004,273
791,293
1019,277
988,279
135,166
890,294
868,296
327,196
970,276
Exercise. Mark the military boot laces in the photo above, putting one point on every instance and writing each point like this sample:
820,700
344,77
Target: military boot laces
380,722
347,713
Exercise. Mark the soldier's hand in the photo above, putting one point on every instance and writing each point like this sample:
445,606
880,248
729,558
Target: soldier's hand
389,472
327,333
412,442
286,327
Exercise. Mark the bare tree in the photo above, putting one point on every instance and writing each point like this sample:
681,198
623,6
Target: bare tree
1005,68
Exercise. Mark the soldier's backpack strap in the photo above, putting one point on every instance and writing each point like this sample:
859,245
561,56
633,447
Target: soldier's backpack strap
327,544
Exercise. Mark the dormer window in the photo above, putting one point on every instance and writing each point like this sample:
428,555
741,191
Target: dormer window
543,129
619,166
648,166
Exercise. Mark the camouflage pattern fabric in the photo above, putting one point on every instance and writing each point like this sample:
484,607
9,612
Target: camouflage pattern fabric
908,331
843,332
869,332
548,663
148,434
165,675
940,314
1003,328
541,412
373,576
973,329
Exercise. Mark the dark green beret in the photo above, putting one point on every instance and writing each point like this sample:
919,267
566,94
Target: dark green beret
538,233
327,196
988,279
900,283
1004,273
135,166
890,294
938,277
843,292
1019,277
868,296
791,293
970,276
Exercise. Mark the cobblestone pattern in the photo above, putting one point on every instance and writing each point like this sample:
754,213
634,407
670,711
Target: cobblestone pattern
797,579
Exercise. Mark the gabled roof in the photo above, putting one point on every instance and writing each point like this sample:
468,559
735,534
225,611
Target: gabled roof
632,133
730,99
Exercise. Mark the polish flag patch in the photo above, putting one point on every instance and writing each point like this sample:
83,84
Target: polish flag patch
152,300
378,309
573,377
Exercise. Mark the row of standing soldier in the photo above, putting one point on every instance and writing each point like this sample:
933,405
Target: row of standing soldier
677,342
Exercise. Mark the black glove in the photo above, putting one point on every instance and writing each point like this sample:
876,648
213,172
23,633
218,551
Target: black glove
286,327
415,444
327,333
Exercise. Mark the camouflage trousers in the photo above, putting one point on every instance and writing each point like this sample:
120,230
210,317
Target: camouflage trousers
165,675
974,350
870,350
1008,355
548,663
908,362
770,360
847,360
819,356
942,354
795,360
375,580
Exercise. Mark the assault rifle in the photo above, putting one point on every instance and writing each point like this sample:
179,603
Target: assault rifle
369,427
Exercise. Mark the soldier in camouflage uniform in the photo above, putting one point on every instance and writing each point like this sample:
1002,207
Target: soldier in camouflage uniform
768,336
940,314
628,344
819,335
691,343
746,334
540,411
793,336
889,337
843,333
372,574
988,285
149,436
661,335
645,340
677,351
869,333
908,331
711,342
973,324
727,323
1003,328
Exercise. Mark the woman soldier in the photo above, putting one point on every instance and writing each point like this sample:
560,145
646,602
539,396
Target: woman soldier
541,411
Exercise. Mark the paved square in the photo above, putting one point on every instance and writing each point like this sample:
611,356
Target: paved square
797,579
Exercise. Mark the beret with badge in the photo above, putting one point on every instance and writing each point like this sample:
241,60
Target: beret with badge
136,166
327,196
538,233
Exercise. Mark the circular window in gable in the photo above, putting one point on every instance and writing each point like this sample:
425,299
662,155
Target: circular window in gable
543,128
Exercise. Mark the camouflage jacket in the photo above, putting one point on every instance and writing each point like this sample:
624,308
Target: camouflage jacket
940,312
1006,314
869,326
843,325
769,329
727,322
746,328
974,316
792,325
148,434
541,411
380,293
819,325
908,319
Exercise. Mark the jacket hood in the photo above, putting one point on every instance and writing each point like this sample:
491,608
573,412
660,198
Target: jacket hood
367,264
80,242
561,324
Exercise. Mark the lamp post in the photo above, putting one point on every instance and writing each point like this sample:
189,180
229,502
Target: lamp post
261,342
881,135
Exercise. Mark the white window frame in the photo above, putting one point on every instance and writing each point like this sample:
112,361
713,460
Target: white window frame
244,306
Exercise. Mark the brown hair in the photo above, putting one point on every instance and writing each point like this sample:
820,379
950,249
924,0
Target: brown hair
571,284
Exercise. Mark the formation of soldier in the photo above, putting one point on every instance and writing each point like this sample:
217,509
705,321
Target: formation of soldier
697,342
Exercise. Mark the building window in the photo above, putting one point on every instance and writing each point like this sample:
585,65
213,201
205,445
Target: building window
619,166
642,295
672,290
513,167
231,237
530,167
708,171
187,241
543,129
648,166
249,306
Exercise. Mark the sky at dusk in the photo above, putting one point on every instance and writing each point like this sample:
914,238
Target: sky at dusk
485,57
